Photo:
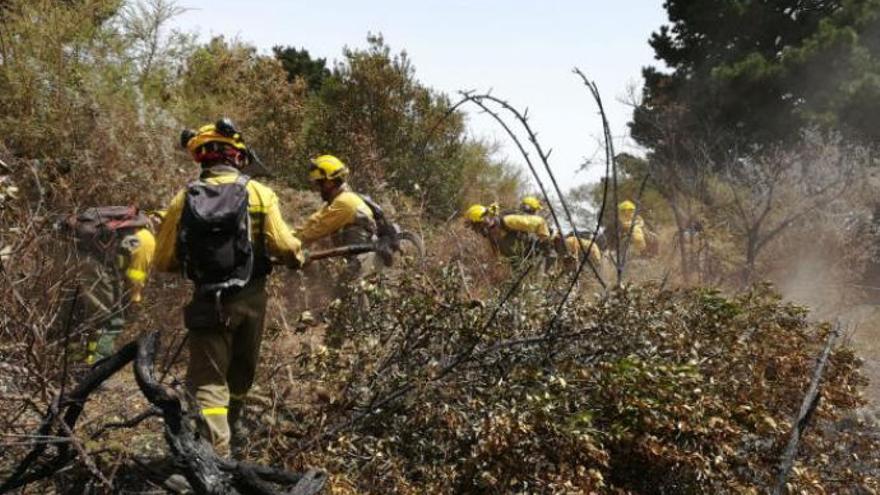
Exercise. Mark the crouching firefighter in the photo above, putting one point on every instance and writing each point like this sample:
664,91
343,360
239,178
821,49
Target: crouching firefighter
514,236
574,246
117,245
346,218
221,231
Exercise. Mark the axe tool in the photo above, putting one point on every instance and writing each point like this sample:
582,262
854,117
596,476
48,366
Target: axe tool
385,247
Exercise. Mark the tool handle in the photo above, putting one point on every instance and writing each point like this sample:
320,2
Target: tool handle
350,250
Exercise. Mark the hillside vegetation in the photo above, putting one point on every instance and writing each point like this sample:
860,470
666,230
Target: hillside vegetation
454,373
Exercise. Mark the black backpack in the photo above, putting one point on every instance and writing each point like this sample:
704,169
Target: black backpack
384,226
214,240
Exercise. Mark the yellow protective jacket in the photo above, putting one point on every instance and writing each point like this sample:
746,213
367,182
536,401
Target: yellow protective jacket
137,254
512,235
346,219
575,248
637,243
526,224
265,218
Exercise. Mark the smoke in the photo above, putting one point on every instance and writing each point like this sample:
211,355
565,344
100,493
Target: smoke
821,277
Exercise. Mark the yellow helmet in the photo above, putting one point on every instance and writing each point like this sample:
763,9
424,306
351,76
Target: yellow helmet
475,213
327,167
626,206
531,203
223,132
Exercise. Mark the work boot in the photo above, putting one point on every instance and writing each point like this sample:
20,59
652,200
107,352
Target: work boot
239,433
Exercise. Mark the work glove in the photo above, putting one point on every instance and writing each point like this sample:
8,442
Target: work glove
295,263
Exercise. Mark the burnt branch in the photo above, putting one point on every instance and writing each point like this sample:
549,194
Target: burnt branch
206,472
808,406
66,409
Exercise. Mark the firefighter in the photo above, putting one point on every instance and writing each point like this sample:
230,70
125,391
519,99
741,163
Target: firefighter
573,246
631,227
117,246
345,218
514,236
226,315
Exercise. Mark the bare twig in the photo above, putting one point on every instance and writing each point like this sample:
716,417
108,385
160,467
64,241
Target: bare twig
70,407
377,403
610,160
84,456
522,117
152,412
206,472
808,406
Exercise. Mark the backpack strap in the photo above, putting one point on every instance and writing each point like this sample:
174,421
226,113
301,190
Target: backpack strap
263,265
243,180
263,221
378,213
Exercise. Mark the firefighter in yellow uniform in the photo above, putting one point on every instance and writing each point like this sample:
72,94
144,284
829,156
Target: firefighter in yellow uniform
575,246
632,227
345,218
224,351
514,236
110,292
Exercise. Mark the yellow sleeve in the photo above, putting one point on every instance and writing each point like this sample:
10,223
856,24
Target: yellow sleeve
637,243
328,220
280,240
529,224
571,246
541,229
595,252
165,259
139,262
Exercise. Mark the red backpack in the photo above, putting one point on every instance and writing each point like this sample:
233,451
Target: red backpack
99,229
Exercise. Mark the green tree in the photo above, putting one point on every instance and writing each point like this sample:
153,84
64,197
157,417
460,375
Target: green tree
485,180
229,78
70,97
298,63
745,74
392,130
155,53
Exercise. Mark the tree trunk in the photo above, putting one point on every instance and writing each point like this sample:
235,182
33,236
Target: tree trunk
751,258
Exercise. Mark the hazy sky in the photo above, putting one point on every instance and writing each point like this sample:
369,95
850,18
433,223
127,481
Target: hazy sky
523,50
